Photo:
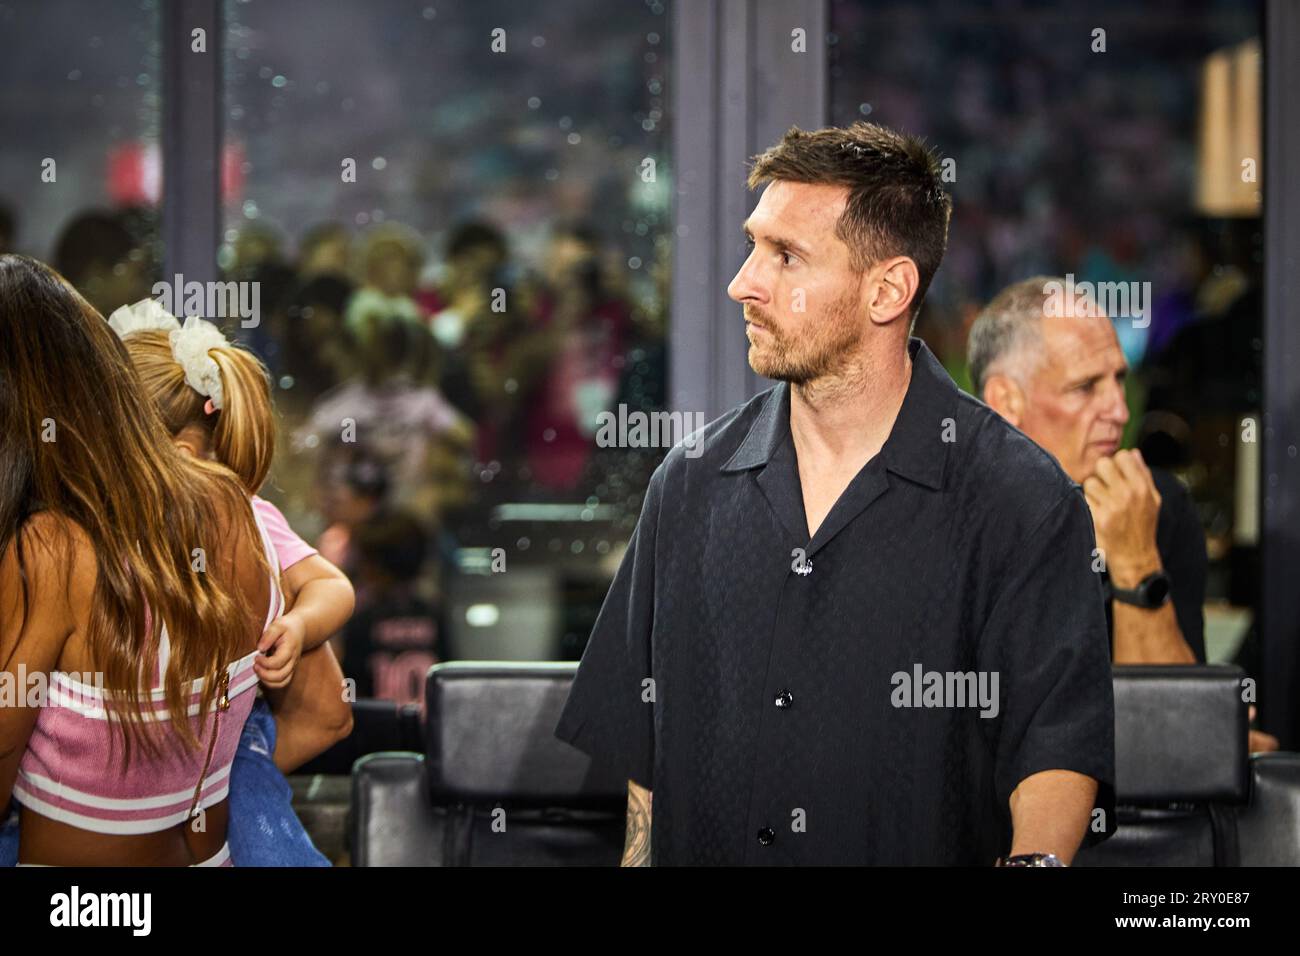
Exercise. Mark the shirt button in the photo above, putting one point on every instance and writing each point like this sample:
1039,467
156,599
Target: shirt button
784,700
766,836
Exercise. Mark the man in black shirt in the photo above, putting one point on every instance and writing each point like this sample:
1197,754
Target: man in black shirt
1057,373
858,623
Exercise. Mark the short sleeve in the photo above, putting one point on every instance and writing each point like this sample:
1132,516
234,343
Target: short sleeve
289,548
1046,639
1181,543
609,714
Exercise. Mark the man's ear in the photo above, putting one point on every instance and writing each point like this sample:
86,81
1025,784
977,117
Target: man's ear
892,289
1004,395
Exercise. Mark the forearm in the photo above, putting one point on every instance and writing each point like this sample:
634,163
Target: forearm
1144,636
1050,813
636,847
323,606
311,714
1149,637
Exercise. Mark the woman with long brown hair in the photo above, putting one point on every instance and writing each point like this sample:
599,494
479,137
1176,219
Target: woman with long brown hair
122,558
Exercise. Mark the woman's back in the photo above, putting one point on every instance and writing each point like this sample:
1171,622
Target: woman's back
83,803
107,531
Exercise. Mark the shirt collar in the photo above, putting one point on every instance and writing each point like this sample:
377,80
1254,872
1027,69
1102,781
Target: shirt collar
917,447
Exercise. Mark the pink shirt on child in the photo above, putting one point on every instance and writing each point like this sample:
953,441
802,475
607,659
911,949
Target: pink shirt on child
289,548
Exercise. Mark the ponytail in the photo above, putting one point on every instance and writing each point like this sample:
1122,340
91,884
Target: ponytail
243,438
242,432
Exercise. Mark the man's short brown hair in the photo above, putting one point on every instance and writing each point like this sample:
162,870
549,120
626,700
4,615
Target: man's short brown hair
897,204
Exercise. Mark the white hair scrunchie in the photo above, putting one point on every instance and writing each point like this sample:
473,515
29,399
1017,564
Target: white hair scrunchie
147,315
190,345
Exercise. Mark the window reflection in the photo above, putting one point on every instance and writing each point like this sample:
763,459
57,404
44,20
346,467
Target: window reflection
1131,171
79,118
463,257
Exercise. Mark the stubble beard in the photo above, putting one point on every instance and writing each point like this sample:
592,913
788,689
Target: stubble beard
825,348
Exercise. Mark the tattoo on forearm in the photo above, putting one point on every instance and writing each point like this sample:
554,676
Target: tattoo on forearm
636,848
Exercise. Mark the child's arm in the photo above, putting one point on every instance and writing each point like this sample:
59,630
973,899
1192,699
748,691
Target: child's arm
311,711
322,600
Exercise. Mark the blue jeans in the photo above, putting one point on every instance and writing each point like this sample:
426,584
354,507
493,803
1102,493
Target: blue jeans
9,837
263,829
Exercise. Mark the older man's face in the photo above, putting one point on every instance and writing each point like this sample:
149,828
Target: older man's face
1075,406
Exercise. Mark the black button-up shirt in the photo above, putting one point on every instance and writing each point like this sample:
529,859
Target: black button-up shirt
767,698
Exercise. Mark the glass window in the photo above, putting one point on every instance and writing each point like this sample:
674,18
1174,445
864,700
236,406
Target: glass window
1125,155
80,173
457,215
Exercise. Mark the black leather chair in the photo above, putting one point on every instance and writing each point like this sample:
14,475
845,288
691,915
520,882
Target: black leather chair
1268,828
494,786
1183,777
1189,793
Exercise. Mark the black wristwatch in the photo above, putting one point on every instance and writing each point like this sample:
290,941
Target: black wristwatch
1151,593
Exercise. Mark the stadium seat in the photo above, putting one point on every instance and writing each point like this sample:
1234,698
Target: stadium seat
494,786
1188,792
1268,828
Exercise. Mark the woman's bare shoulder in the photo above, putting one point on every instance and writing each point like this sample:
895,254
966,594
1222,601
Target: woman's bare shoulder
51,542
47,568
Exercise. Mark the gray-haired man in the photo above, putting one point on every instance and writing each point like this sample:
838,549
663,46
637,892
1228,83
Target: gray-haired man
1057,373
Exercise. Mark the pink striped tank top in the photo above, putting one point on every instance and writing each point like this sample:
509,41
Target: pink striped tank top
72,772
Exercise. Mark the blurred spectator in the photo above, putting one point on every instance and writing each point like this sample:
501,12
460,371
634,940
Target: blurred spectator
587,328
398,413
324,251
476,257
393,638
102,259
391,259
493,354
319,351
257,256
352,488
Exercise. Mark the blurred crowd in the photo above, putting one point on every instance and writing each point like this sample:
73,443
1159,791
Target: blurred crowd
419,389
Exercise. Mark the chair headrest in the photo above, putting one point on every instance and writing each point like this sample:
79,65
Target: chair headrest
1180,734
490,736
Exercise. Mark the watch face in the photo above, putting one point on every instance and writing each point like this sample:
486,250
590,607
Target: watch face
1155,590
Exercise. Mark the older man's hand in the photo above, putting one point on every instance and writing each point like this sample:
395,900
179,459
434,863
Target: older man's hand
1125,506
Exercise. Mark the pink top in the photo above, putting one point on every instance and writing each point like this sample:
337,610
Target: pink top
289,548
71,770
